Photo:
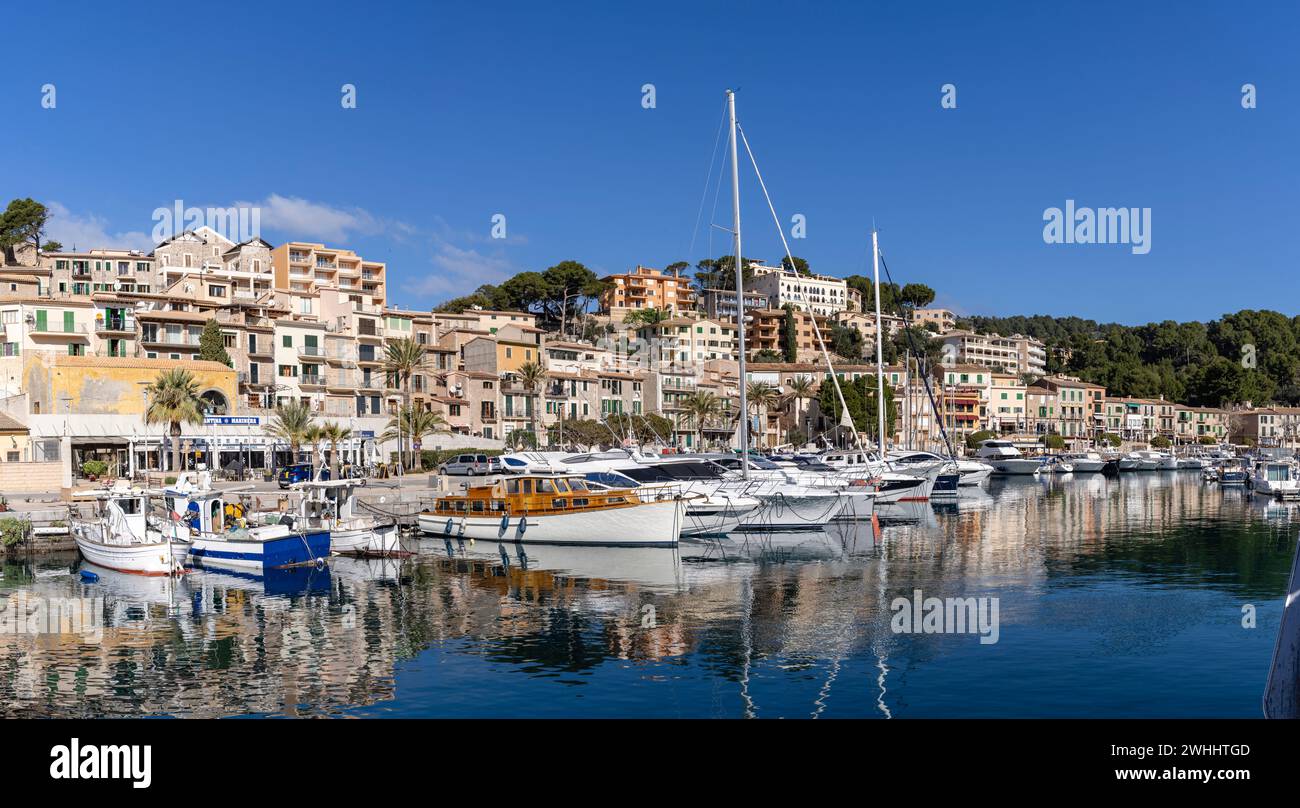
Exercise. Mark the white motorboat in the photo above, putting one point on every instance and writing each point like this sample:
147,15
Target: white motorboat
1275,478
119,538
1195,462
1085,462
971,472
1005,458
1054,464
1142,461
711,513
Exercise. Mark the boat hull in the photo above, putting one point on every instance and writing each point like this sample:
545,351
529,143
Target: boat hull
157,558
1006,467
650,524
260,553
380,540
792,512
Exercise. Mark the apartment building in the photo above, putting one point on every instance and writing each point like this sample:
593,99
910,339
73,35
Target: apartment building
763,333
100,270
720,304
1017,353
1192,424
490,321
1076,411
646,288
941,321
1266,427
865,324
820,294
1008,407
685,339
304,268
1140,419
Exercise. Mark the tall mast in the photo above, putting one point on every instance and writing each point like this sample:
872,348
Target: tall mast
740,288
880,339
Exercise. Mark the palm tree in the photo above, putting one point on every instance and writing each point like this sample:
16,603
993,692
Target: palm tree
315,435
335,433
532,375
701,406
403,357
761,397
174,400
415,423
291,424
801,387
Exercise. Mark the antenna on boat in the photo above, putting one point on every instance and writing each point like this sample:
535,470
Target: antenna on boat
740,287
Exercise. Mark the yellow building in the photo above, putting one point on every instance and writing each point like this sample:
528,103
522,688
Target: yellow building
58,384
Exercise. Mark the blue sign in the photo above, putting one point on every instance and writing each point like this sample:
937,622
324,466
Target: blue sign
366,433
231,420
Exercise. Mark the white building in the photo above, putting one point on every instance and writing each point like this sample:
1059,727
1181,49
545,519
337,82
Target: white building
820,294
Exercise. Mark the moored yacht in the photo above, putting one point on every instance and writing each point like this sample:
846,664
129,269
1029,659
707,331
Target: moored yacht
1085,462
1275,478
555,509
1005,458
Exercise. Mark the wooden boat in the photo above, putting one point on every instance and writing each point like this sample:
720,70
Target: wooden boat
555,509
119,538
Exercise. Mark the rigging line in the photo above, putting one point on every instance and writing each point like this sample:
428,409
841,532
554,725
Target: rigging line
740,305
921,366
704,193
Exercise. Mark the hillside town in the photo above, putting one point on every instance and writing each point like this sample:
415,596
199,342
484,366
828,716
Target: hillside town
648,353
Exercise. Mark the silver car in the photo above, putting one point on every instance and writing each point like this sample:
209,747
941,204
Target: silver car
467,464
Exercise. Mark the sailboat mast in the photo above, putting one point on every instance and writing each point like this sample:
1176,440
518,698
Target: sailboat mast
740,288
880,340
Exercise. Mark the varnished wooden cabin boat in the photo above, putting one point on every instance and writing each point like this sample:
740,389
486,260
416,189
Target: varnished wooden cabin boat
555,509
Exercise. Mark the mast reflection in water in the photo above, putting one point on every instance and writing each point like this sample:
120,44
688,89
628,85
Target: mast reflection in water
1118,597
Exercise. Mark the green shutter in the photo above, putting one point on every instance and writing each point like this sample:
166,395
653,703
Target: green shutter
69,321
42,319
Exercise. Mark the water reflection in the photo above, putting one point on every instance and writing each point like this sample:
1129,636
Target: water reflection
1118,597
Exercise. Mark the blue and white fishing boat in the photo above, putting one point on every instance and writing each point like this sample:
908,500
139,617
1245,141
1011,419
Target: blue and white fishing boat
218,534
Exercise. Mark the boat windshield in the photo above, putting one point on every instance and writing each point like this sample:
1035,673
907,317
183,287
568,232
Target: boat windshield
612,478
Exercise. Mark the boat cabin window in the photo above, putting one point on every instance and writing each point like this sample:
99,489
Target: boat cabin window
218,516
557,504
512,486
526,486
477,506
580,502
129,507
578,485
545,486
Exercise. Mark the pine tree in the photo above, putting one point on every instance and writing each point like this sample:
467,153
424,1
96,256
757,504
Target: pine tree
212,345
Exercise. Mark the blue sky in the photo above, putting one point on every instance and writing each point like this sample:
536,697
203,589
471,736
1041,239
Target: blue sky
534,111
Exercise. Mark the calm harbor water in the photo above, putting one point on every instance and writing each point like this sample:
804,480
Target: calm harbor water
1116,597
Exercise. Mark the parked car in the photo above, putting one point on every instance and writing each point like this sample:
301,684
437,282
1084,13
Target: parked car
470,464
298,473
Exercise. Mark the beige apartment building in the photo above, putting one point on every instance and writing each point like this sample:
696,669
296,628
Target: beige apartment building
100,270
822,295
305,268
646,288
941,321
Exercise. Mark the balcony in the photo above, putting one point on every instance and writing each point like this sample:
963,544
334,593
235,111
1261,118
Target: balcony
115,325
311,380
75,331
311,353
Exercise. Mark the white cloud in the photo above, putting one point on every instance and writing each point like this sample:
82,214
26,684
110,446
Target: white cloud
89,232
298,218
459,271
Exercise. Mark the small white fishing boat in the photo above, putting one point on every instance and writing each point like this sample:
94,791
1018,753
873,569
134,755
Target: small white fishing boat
1055,464
118,536
555,509
332,505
